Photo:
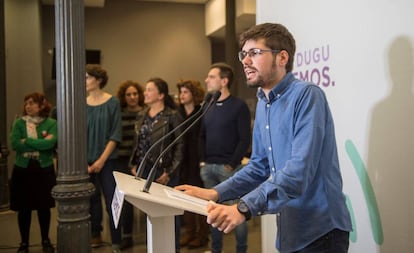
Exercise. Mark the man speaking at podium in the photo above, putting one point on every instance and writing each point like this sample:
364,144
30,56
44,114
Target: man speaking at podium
294,169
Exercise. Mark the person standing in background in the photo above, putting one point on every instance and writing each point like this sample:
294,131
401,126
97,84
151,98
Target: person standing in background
131,99
104,134
225,140
33,137
152,124
294,169
191,94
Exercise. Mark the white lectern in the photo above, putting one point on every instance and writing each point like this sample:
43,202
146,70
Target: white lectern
161,204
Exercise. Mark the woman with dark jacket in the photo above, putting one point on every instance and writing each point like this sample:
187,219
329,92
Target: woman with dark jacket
152,124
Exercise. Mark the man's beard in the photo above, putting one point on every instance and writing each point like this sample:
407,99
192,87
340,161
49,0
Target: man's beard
260,80
256,84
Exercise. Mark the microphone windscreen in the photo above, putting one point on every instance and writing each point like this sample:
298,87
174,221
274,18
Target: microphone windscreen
216,95
208,97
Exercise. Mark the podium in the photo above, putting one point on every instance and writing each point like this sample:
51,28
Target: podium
160,204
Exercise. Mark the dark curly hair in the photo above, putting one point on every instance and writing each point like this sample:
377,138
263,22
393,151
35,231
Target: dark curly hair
195,88
122,89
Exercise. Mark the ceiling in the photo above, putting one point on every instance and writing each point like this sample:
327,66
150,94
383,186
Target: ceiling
242,22
101,3
178,1
87,3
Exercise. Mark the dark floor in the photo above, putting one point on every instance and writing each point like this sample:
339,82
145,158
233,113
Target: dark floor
9,236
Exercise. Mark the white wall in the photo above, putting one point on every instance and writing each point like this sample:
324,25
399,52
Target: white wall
367,73
215,15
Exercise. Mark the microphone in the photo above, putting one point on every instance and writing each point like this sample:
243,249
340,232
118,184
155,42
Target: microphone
153,170
207,101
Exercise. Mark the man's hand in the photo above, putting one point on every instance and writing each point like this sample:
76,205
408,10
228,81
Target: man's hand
207,194
224,218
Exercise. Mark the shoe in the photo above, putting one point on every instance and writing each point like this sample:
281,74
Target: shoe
127,243
197,243
96,241
47,247
116,248
24,248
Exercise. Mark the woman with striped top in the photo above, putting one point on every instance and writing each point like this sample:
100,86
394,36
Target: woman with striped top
131,98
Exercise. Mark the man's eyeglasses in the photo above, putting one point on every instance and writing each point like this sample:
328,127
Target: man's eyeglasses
255,51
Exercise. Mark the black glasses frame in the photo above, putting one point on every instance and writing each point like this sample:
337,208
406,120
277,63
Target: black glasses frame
255,51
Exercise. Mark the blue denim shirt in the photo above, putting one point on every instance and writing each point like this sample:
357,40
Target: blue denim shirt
293,170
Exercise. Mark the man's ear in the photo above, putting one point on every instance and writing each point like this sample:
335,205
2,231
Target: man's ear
284,57
225,81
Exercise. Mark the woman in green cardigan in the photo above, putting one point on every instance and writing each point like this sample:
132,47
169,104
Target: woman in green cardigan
33,137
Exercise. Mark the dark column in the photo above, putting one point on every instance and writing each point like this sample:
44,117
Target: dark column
73,190
230,39
4,152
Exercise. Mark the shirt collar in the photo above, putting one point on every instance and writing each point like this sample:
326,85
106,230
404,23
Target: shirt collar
278,90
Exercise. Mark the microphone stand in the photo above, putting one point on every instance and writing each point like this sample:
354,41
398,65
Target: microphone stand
153,170
141,167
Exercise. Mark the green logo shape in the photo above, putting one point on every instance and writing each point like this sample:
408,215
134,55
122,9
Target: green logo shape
369,194
353,234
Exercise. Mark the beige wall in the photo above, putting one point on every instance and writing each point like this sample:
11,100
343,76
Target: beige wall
140,40
23,45
23,60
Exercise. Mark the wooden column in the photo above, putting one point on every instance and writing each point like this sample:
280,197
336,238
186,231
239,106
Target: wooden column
73,190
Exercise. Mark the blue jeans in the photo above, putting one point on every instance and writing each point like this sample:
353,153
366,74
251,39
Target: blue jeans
104,181
212,175
127,215
335,241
